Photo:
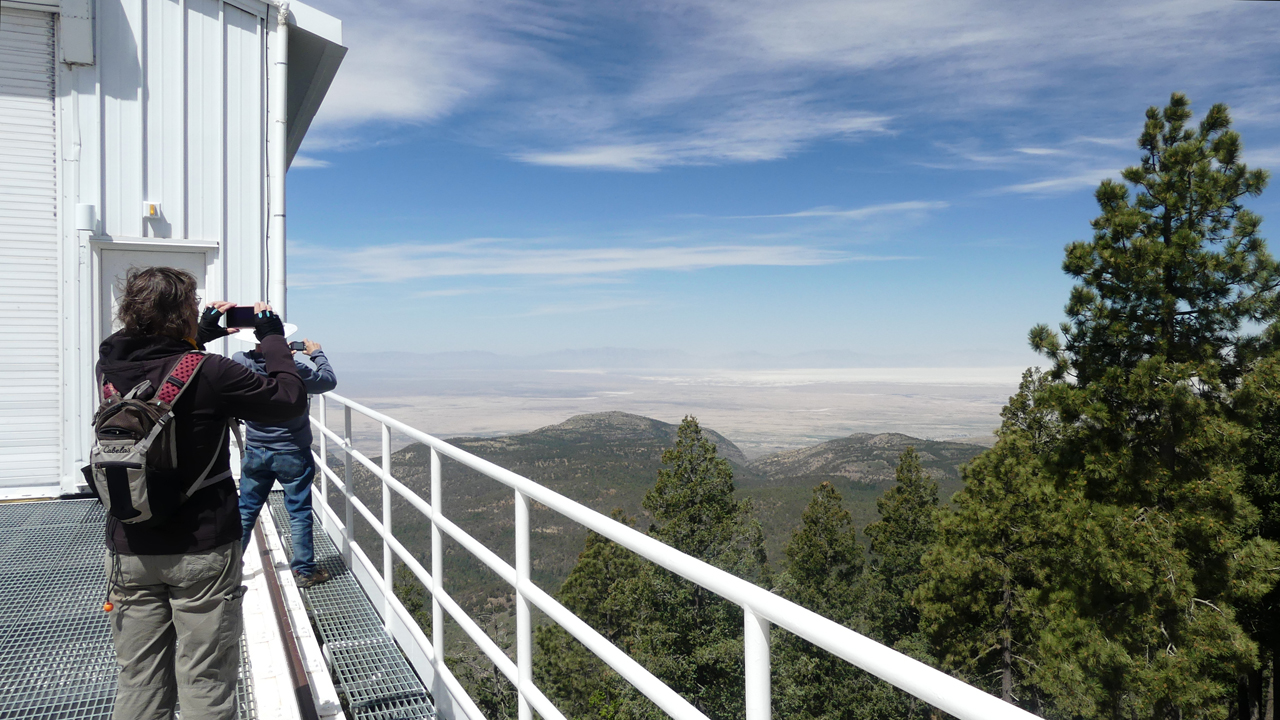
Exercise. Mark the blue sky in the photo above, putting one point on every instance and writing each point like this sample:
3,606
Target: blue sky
890,180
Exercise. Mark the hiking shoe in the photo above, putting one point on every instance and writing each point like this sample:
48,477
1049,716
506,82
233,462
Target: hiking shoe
315,578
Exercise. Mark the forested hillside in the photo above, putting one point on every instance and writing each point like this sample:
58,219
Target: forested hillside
608,461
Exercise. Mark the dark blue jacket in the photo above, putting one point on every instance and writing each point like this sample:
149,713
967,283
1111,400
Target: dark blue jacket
292,434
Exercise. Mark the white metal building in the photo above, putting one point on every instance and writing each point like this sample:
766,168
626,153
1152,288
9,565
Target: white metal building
134,132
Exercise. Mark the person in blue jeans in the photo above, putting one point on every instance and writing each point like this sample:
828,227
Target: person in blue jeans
281,453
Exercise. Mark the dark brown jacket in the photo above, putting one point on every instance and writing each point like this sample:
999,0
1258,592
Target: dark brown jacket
221,389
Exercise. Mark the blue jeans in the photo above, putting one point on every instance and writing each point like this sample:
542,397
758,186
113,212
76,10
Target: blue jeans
294,470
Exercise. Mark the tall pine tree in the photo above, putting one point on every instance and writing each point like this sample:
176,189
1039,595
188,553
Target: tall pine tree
996,547
582,685
1257,406
907,528
1144,622
688,636
823,573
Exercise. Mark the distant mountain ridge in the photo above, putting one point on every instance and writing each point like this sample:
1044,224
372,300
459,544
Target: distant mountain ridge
609,427
865,458
610,460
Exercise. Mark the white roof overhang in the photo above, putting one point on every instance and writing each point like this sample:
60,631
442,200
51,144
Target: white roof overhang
315,52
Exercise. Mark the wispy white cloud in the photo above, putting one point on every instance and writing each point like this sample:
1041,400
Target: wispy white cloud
762,135
306,161
401,262
1267,157
910,206
1115,142
626,86
576,308
1062,184
415,62
448,292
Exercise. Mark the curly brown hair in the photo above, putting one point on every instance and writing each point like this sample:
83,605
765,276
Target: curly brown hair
159,301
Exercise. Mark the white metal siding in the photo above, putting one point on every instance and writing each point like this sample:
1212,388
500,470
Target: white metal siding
172,110
30,407
123,142
245,157
183,125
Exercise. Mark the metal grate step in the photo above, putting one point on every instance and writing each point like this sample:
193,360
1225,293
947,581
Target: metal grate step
56,657
368,666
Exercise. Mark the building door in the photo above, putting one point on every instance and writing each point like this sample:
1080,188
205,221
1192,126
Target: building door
116,264
30,352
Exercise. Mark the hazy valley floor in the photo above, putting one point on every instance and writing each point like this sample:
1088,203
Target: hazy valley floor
762,411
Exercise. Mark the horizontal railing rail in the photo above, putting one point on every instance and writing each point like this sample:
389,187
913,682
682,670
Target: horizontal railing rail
761,608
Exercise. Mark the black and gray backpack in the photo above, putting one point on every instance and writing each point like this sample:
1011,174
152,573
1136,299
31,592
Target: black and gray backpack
133,465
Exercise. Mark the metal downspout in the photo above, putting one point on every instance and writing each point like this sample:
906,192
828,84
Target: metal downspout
277,145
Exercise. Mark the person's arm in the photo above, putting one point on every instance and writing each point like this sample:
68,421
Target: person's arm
275,397
278,396
322,379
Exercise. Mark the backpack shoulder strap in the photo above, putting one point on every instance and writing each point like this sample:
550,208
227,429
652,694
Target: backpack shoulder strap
108,390
176,382
205,479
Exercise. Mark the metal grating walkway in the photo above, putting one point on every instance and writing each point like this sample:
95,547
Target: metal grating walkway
372,673
56,657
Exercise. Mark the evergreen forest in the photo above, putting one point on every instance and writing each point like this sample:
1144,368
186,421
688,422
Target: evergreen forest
1113,556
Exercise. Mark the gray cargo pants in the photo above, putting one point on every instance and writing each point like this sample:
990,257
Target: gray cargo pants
176,626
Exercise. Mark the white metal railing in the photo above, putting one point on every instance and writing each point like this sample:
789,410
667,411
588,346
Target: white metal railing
761,608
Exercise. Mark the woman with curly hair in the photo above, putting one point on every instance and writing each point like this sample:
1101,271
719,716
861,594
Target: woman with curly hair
175,586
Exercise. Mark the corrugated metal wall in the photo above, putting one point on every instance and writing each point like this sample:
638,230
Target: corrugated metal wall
173,111
194,141
30,351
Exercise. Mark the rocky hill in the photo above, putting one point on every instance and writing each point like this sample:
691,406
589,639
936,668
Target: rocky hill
610,460
591,433
602,460
864,458
860,466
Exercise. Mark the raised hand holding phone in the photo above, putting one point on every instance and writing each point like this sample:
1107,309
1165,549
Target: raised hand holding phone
210,326
266,322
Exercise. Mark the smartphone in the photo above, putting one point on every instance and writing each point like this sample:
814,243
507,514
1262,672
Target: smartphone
300,347
240,317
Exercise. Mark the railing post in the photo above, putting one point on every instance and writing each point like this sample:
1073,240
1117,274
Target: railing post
349,516
437,578
755,646
324,457
388,582
524,618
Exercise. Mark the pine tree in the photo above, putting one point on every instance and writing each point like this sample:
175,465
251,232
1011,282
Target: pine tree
824,560
907,528
993,559
686,635
1143,622
824,574
582,685
1257,406
1176,270
413,595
